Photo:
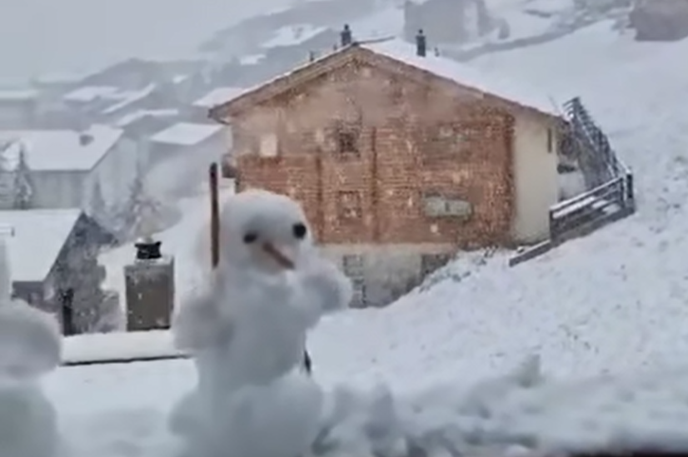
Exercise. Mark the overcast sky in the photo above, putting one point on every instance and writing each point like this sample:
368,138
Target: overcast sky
49,36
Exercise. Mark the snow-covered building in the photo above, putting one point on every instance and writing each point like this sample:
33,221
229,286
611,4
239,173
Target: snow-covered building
65,165
142,123
187,140
400,157
18,108
54,265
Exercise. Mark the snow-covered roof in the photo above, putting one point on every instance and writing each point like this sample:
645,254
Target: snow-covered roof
90,93
218,96
128,97
507,88
18,95
251,59
140,114
292,35
37,240
186,133
54,150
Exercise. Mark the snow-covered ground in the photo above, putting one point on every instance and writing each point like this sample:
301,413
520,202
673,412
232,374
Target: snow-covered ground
611,302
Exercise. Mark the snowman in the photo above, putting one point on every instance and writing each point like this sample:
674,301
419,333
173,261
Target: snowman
246,330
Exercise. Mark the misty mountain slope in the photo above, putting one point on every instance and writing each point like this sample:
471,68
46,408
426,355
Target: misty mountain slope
85,35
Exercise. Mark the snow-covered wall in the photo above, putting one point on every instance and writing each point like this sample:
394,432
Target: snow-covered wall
115,172
388,270
535,178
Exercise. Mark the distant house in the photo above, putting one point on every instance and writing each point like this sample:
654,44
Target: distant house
400,158
18,108
105,104
187,140
447,21
65,165
54,266
132,74
143,123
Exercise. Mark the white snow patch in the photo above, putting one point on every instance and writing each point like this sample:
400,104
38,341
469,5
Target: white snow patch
186,133
91,93
88,348
251,59
140,114
512,89
129,97
292,35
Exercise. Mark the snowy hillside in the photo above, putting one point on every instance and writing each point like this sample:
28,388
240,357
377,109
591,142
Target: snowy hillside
611,302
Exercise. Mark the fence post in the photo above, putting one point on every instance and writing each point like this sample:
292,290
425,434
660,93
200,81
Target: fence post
629,191
552,227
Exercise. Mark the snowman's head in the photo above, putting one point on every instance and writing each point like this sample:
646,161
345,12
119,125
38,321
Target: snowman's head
30,342
264,231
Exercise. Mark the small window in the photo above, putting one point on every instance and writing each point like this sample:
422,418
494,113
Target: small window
432,262
353,266
550,140
449,134
436,205
268,145
349,205
359,298
347,141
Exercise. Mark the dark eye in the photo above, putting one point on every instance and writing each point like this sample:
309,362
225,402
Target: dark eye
299,230
250,237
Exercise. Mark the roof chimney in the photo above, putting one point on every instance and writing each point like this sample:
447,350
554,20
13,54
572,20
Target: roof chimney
345,35
421,44
85,139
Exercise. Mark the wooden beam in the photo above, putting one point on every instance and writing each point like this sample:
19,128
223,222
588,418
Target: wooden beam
214,215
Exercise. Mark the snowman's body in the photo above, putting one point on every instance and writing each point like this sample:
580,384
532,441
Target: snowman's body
247,329
28,423
30,346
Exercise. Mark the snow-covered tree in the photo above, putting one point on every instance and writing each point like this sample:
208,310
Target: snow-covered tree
5,171
139,216
98,207
5,276
22,188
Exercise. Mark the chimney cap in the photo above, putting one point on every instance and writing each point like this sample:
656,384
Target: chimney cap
148,249
421,44
85,139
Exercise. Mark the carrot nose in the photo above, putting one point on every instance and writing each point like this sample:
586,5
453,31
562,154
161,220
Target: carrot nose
278,256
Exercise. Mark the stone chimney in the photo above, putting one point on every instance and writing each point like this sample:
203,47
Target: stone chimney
421,44
345,36
149,285
85,139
